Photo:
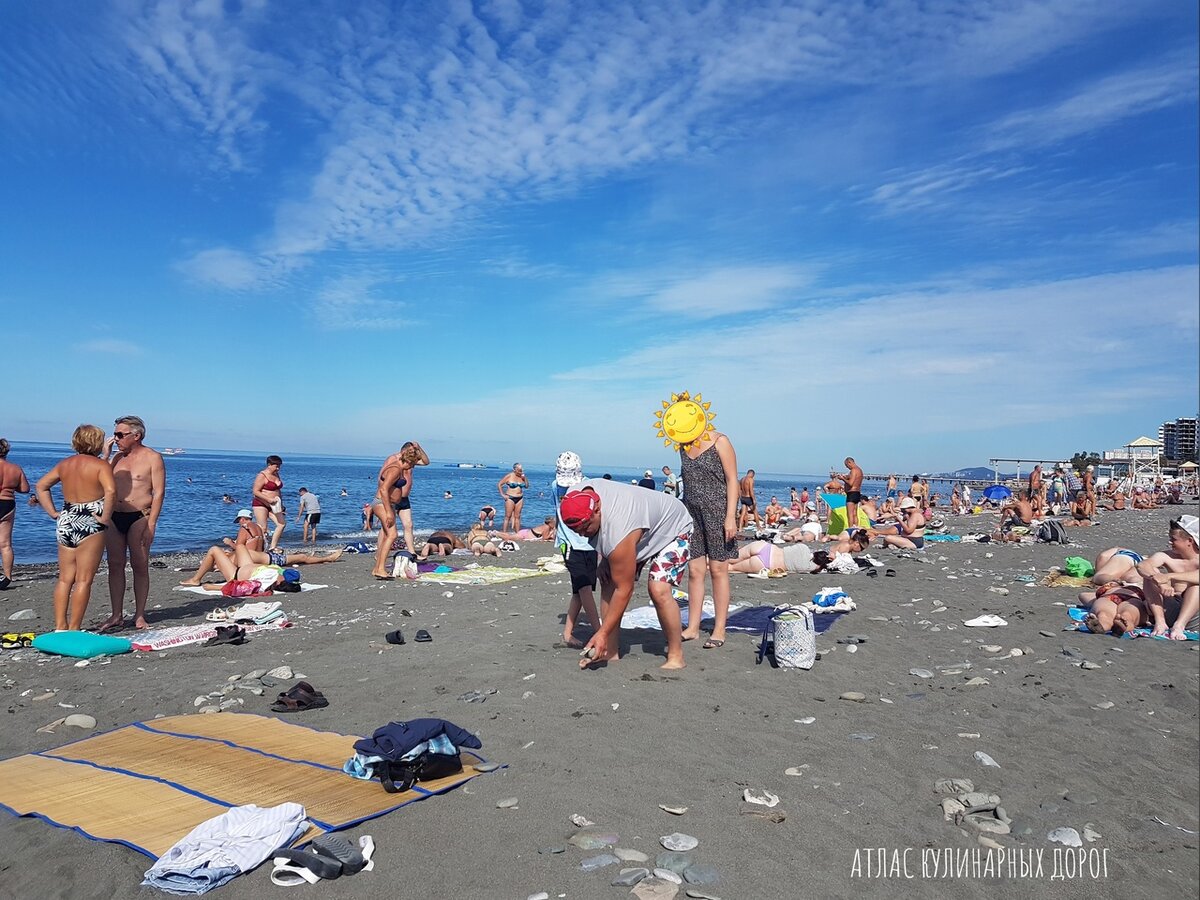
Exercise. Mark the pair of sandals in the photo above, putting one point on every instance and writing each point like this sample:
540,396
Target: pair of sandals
14,641
227,634
300,697
328,856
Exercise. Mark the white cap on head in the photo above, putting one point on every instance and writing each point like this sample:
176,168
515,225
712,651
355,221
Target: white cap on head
908,503
243,514
648,474
568,469
1191,525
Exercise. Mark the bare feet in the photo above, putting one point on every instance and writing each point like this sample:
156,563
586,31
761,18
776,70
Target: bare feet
689,636
335,556
140,622
673,663
110,624
191,582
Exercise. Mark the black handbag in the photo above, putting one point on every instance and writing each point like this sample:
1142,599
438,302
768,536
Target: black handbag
397,777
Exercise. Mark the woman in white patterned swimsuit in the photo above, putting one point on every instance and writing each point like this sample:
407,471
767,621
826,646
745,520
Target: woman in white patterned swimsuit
88,491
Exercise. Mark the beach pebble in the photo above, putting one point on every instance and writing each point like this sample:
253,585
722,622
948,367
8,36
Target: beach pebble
852,649
486,767
655,889
553,850
230,703
985,841
684,842
1067,836
668,875
673,810
986,760
82,664
447,594
794,770
853,696
1020,828
50,727
977,681
698,874
1104,704
630,877
987,824
1002,815
978,798
282,672
920,673
507,803
540,895
991,648
953,786
1088,664
210,709
232,678
700,895
762,798
624,854
581,821
199,701
676,862
1002,591
22,615
951,809
593,839
598,862
862,736
1090,833
257,673
807,720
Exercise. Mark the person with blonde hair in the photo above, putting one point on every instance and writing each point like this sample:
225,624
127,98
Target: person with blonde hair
391,501
88,491
12,479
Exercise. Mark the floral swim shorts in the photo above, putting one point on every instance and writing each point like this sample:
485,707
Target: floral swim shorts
670,564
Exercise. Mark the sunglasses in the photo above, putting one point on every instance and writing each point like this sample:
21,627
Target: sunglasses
122,434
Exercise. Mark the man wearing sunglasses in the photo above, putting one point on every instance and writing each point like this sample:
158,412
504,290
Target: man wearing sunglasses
141,485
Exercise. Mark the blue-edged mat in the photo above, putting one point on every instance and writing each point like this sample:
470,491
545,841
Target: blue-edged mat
754,620
147,785
1079,613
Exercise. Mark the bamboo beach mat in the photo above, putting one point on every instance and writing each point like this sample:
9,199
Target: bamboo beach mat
148,784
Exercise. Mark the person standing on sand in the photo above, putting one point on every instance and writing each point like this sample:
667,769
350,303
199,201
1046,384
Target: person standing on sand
711,493
141,480
391,500
579,555
1089,490
630,528
670,482
853,480
749,506
891,488
1035,490
310,513
267,504
12,479
88,489
512,488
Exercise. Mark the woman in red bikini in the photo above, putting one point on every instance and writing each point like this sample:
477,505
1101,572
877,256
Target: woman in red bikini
268,499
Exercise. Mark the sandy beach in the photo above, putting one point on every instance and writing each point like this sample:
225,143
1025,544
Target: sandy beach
1106,748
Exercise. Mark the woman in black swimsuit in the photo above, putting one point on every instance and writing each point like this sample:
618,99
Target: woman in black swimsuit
12,478
441,543
391,500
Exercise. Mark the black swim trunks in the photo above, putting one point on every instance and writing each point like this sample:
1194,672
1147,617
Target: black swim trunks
313,518
853,496
123,521
581,564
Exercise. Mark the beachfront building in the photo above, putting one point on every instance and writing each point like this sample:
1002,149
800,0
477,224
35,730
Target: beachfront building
1179,439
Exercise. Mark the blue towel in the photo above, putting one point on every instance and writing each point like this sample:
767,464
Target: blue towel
1079,613
754,619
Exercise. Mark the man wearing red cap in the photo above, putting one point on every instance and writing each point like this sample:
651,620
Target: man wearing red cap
632,528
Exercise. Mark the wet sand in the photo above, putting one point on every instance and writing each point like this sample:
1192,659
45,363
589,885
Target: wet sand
613,744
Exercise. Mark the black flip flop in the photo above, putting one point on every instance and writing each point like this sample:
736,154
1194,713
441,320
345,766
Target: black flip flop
871,573
423,637
890,573
318,863
337,848
227,634
396,637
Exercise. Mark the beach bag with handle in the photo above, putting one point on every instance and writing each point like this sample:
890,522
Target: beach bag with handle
791,634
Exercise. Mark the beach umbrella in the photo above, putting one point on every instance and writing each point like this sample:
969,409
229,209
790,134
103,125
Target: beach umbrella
996,492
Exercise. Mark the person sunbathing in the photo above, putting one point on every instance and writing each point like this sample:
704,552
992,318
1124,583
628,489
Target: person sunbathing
243,559
1117,501
856,540
1117,564
1018,513
908,533
759,556
442,543
480,544
1079,514
543,532
1115,607
806,533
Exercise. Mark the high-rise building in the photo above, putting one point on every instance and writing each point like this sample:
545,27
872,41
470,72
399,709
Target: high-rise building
1179,438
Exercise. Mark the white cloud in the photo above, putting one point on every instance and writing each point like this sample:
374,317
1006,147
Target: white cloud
354,302
1097,105
704,294
227,268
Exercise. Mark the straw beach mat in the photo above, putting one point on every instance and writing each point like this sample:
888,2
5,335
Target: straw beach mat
148,784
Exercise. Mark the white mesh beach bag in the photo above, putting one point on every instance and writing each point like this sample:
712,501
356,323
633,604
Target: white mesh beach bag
794,638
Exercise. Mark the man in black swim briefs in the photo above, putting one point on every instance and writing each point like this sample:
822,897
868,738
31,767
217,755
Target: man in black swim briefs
141,487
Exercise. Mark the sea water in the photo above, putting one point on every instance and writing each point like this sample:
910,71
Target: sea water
195,517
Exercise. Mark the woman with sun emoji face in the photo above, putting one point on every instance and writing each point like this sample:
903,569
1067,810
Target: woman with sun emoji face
708,467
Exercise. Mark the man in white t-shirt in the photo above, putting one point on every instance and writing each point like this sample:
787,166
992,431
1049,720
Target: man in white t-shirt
310,512
632,527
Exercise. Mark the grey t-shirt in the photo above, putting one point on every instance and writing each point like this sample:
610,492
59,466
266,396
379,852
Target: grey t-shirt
310,503
798,559
626,507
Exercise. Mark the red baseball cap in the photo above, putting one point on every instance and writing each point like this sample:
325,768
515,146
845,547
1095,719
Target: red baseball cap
577,507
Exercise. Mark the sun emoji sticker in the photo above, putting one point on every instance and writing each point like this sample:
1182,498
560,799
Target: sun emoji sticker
683,419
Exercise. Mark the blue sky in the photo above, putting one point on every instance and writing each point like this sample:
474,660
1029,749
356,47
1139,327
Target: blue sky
918,233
